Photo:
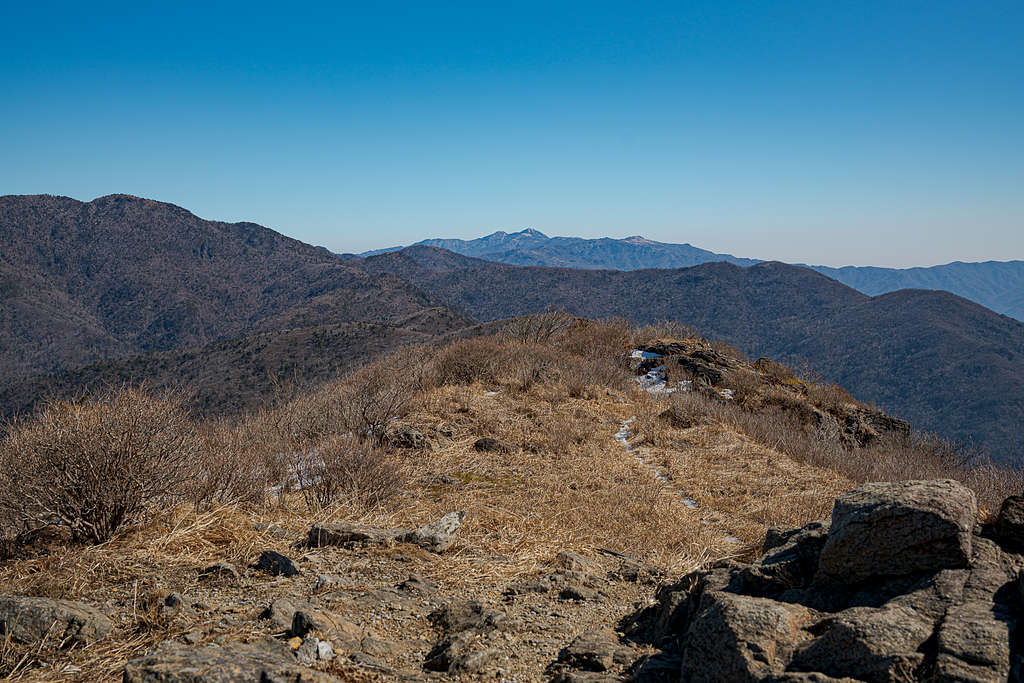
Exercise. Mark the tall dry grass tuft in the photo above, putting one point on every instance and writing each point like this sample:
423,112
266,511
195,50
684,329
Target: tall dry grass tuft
91,466
916,456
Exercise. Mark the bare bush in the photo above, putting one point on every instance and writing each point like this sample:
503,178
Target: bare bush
233,466
466,361
662,329
539,328
344,469
94,465
362,404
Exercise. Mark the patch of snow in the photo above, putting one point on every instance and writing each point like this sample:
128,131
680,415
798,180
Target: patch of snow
622,436
644,355
727,394
491,393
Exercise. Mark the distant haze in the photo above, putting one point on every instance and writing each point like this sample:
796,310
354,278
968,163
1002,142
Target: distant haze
866,133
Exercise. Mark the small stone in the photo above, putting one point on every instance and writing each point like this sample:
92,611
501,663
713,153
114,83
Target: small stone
306,653
448,650
568,559
324,650
591,651
348,535
405,436
1010,523
473,662
417,585
579,594
263,660
468,616
489,444
220,572
192,637
276,564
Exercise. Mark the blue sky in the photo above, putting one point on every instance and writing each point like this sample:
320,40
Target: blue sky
882,133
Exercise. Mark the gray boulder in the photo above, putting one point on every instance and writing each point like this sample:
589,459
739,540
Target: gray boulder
742,638
264,661
31,620
348,535
897,528
276,564
592,651
437,536
468,615
867,644
1009,525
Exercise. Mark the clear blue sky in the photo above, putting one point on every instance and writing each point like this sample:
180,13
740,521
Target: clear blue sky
885,133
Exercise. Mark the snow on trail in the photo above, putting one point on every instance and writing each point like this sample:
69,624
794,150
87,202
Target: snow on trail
656,383
622,436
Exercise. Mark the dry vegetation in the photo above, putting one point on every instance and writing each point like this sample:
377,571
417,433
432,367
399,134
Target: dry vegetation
167,496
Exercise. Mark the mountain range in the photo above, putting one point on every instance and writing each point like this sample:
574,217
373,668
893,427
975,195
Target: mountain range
998,285
129,289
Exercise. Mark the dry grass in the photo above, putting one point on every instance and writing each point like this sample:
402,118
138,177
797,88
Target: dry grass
782,428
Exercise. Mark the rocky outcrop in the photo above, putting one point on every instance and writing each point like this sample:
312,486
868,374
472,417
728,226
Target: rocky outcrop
900,585
898,528
63,622
262,661
437,536
694,364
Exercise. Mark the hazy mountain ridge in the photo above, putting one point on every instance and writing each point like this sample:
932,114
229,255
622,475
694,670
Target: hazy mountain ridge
533,248
120,275
998,285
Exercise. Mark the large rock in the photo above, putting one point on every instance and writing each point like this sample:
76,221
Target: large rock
592,651
1010,523
867,644
265,661
898,588
276,564
437,536
350,535
30,620
468,615
897,528
974,644
741,638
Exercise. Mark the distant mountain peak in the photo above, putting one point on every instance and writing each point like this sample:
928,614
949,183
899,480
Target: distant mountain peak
638,239
530,232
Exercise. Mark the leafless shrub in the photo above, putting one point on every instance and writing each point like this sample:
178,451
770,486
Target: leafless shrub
728,350
233,466
363,403
344,469
539,328
93,465
381,393
466,361
830,397
662,329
